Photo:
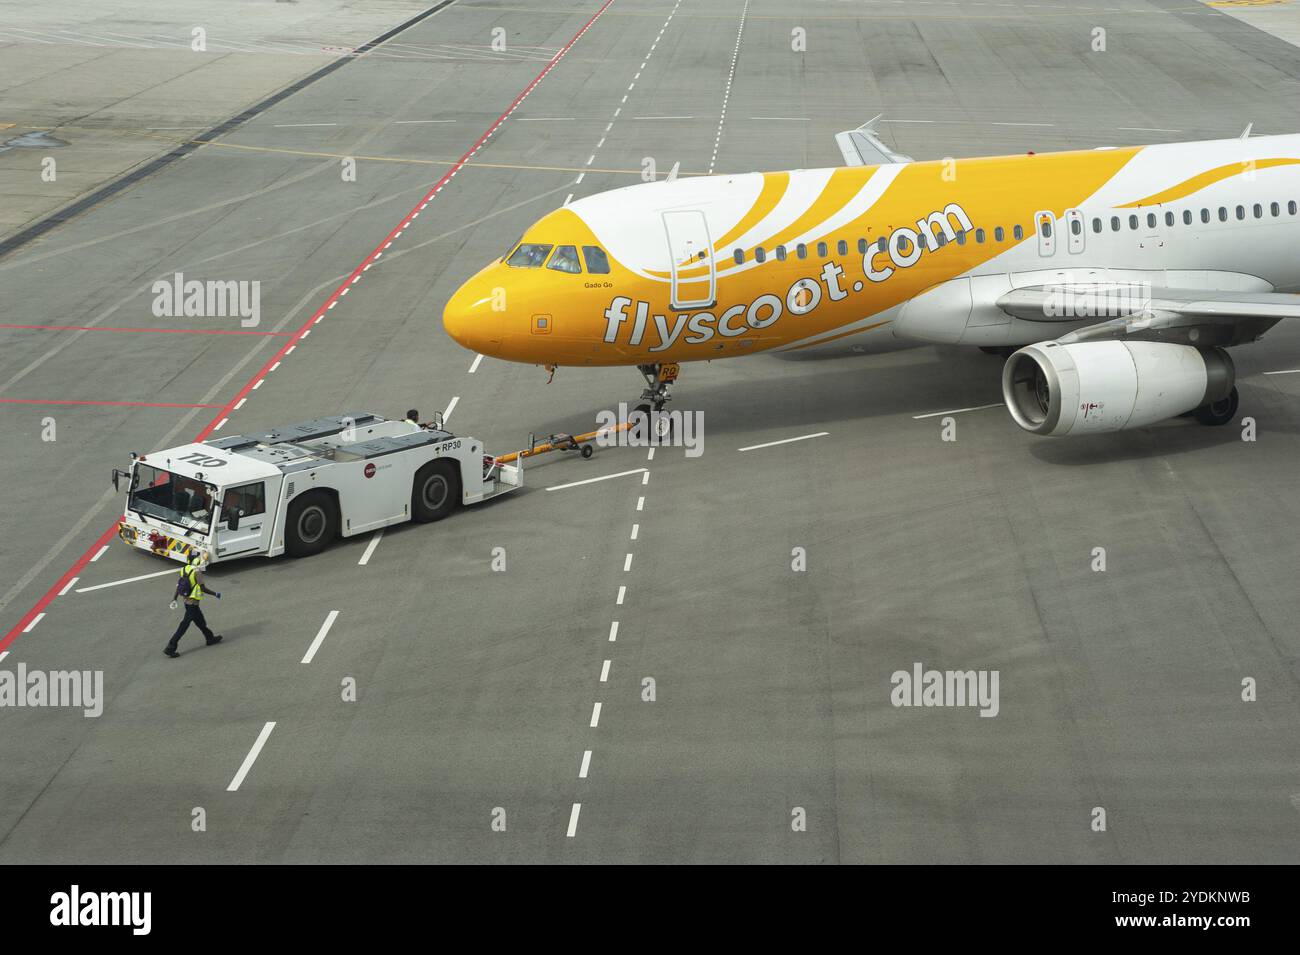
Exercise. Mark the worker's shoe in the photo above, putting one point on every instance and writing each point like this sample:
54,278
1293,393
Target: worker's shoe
215,640
170,651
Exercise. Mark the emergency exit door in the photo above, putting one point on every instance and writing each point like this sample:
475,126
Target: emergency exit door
690,254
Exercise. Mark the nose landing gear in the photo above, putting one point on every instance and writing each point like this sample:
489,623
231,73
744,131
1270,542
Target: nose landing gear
657,379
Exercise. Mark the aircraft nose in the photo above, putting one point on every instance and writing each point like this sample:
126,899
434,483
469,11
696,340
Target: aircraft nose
469,316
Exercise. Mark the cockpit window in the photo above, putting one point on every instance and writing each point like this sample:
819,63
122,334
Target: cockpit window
597,261
565,259
529,256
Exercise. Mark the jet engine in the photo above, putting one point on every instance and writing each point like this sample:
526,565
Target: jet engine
1091,387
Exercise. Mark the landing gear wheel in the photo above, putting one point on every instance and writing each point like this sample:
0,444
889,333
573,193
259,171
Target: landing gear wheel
310,525
1219,412
435,492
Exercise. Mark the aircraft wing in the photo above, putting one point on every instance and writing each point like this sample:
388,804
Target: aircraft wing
1125,310
864,147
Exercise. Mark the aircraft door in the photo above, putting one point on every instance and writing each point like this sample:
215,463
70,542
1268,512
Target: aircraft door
690,254
1045,226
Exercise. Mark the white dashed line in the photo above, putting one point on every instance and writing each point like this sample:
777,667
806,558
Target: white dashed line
99,553
604,672
586,764
606,477
635,529
613,631
640,503
451,406
622,592
936,414
68,586
41,616
627,563
370,548
726,94
595,714
773,444
474,367
573,820
251,757
320,636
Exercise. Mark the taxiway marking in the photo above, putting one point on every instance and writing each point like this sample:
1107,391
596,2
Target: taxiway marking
118,583
251,757
773,444
320,636
370,548
605,477
936,414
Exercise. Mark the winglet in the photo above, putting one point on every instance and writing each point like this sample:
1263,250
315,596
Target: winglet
864,147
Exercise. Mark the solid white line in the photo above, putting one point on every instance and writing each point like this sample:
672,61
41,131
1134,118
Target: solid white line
627,563
450,407
251,757
573,819
410,122
474,367
606,477
68,586
935,414
544,119
772,444
129,580
1024,124
613,631
663,117
99,553
1289,371
40,616
320,637
791,119
586,764
595,714
604,672
295,125
1148,129
370,548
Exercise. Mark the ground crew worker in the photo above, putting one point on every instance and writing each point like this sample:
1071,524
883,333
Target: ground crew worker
413,417
190,573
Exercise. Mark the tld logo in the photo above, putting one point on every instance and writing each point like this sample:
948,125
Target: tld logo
75,907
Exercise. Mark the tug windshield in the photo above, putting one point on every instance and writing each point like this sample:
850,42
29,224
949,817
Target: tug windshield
171,497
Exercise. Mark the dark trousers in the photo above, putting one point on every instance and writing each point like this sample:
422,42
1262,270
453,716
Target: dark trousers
193,614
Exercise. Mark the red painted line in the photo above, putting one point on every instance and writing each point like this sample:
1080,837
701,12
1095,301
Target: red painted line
109,534
110,404
160,331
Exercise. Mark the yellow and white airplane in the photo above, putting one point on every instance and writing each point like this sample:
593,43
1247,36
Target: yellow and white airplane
1126,271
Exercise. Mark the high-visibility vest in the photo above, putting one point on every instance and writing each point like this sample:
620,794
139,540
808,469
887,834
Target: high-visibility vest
191,574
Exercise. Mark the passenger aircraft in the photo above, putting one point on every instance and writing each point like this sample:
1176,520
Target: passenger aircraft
1125,271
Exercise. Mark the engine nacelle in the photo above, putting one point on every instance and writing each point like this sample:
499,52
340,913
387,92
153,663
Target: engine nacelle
1091,387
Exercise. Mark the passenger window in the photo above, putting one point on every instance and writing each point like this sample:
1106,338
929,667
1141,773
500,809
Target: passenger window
760,255
979,236
1132,222
1076,227
1187,217
801,250
941,239
998,234
739,256
1205,215
1096,225
1114,223
249,499
1241,212
1017,232
1275,209
1169,218
822,250
961,238
1045,228
780,253
862,246
1151,220
1290,207
597,261
1259,211
529,256
1223,214
843,247
565,259
904,245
